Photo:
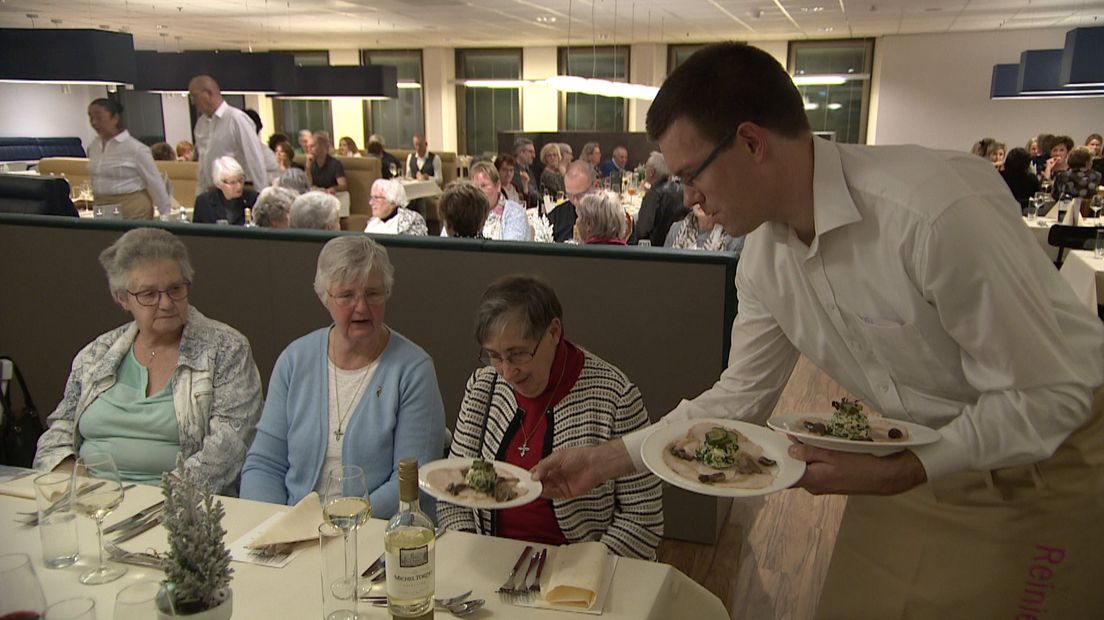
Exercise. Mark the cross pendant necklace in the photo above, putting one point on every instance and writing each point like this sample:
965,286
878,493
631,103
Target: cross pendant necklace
338,434
523,449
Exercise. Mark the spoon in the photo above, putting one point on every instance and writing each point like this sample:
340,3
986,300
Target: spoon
461,609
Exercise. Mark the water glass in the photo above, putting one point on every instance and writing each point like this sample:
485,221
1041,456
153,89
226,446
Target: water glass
339,600
1098,249
138,601
20,593
1032,211
57,530
79,608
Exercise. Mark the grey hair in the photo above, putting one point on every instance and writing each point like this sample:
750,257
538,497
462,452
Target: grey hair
603,214
565,148
272,204
521,143
393,190
580,168
351,258
588,148
656,161
324,136
527,298
486,169
294,179
140,246
315,210
226,167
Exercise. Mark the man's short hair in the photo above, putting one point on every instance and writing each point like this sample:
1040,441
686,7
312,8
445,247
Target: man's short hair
162,151
1079,157
521,143
745,84
323,136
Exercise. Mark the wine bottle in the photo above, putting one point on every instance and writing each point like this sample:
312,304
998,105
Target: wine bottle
408,543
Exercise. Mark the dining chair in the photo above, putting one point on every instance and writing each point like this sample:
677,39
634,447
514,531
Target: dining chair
1071,237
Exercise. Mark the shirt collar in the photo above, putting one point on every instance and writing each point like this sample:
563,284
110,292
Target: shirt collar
122,136
833,206
221,110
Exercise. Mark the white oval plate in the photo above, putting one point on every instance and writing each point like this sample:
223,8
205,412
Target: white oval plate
775,447
790,423
528,489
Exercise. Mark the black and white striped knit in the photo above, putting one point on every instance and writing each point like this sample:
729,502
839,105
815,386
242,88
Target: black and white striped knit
625,513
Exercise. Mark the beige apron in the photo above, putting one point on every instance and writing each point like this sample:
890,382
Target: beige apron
132,206
1021,543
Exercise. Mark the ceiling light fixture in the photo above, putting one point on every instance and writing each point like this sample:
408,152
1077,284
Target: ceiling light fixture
73,56
1081,58
827,79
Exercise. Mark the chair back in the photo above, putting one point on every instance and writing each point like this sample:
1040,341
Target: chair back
1073,237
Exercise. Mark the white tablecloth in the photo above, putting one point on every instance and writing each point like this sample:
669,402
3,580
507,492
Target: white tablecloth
1041,229
1085,274
640,590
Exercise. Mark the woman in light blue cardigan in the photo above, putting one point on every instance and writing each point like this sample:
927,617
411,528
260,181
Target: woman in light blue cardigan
356,393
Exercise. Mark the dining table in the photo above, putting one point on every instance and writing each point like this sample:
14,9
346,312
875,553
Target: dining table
1085,273
415,188
640,590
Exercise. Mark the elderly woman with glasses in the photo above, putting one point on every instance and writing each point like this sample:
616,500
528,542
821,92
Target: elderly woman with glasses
538,393
170,382
389,213
228,199
354,393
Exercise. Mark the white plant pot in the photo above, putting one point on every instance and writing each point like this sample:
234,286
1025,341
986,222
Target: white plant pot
222,612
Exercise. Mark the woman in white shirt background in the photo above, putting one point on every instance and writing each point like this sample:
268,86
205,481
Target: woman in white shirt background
121,167
389,213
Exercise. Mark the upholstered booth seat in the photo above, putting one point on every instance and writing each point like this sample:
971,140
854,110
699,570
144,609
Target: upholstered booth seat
182,174
35,195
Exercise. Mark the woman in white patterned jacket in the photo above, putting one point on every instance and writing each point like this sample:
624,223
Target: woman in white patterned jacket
539,393
170,382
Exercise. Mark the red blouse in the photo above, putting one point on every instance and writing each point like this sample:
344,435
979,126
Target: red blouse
536,521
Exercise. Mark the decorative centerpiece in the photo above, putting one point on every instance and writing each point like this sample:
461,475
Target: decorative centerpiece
197,565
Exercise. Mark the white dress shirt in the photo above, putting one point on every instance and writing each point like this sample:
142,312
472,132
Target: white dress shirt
229,132
924,295
124,165
420,161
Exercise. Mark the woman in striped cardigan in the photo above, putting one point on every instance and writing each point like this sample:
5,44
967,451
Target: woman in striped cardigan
539,393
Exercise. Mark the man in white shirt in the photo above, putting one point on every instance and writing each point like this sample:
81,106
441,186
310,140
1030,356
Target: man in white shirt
421,164
224,130
902,273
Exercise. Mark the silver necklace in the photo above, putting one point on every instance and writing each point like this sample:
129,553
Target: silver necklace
524,447
337,399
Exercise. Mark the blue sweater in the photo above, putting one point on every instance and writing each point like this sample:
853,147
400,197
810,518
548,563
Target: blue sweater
400,416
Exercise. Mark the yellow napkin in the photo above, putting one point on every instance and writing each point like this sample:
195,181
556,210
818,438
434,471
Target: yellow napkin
576,574
20,487
299,523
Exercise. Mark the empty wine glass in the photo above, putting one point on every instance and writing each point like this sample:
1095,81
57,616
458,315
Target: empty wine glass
96,505
1096,204
346,506
20,593
138,601
394,169
79,608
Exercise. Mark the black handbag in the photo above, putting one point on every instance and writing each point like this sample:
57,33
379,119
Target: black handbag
21,428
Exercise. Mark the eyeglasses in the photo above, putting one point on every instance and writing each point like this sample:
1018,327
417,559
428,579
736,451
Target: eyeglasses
515,359
721,146
176,292
375,197
348,299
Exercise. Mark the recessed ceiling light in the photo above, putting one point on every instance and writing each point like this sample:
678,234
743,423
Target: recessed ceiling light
825,29
812,9
161,26
546,19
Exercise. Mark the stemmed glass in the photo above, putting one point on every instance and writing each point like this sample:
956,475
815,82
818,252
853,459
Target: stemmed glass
394,169
138,601
1096,204
96,505
20,593
346,506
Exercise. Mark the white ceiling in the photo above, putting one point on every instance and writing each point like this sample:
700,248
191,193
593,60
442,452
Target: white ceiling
169,25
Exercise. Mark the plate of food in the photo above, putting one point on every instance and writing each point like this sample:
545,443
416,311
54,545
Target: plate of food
850,429
725,458
477,483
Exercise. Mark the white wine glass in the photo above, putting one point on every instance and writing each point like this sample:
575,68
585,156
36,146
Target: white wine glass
1096,204
96,505
79,608
346,506
393,169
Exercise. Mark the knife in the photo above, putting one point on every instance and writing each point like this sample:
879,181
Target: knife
134,519
64,502
150,523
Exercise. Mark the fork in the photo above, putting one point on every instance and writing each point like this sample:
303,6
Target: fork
508,587
536,588
524,591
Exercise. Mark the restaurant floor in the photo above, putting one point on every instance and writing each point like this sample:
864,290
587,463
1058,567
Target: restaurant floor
779,572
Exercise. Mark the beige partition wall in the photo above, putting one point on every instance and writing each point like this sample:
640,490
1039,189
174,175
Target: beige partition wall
662,316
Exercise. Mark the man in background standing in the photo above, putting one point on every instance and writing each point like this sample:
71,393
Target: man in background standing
224,130
421,164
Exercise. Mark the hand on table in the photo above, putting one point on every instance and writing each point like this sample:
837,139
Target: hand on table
846,473
571,472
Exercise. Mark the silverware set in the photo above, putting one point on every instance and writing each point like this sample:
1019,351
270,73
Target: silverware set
457,605
30,518
524,585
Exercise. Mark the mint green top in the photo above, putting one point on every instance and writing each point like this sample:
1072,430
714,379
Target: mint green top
140,432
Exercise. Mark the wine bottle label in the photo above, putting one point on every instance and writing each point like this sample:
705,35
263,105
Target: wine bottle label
410,573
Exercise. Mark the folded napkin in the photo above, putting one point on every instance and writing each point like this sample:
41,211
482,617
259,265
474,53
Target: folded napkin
576,574
22,486
299,523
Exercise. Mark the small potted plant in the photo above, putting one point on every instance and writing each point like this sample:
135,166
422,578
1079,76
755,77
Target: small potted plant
197,565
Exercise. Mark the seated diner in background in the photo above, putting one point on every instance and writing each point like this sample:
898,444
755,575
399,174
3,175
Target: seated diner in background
1080,180
228,199
273,207
507,219
122,168
1060,147
185,151
700,231
324,172
377,390
1095,143
294,179
170,382
601,219
315,210
1019,179
996,152
347,147
551,179
538,393
390,166
389,213
506,166
464,210
285,156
